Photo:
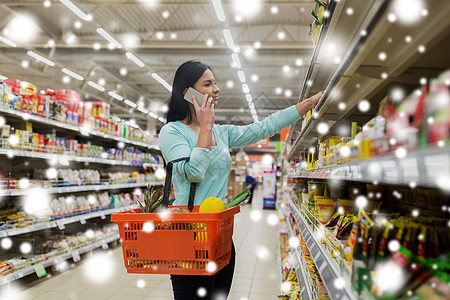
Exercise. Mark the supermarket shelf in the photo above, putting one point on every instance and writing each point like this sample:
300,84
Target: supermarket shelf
300,264
328,268
425,168
54,260
63,221
361,67
65,157
42,120
82,188
335,39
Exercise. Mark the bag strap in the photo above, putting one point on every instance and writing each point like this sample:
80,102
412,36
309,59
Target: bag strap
168,185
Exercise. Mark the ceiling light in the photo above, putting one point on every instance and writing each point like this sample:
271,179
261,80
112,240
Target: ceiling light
134,59
251,105
130,103
288,93
236,60
160,35
173,35
164,108
41,59
241,75
165,14
245,88
238,18
274,10
158,78
123,71
209,42
76,10
249,53
143,110
102,81
70,38
21,28
77,24
72,74
131,40
25,64
254,78
108,37
115,96
248,97
257,45
47,3
96,86
161,119
230,84
7,42
286,68
299,62
278,90
219,10
66,79
153,115
248,8
281,35
96,46
228,38
51,43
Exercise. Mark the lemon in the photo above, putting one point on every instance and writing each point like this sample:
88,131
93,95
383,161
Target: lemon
211,205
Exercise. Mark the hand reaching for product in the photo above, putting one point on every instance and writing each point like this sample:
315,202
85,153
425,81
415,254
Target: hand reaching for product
315,99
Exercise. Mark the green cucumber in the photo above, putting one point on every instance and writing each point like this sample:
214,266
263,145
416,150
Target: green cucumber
238,199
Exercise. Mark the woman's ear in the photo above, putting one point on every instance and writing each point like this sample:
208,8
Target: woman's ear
185,90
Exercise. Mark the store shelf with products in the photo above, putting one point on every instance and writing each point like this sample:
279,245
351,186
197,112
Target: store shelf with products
417,169
63,221
338,33
82,188
58,257
330,270
304,280
387,56
66,158
7,112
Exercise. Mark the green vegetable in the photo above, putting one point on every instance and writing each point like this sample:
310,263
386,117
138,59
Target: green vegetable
182,211
238,199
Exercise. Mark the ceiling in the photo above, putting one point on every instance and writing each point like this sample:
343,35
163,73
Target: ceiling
162,34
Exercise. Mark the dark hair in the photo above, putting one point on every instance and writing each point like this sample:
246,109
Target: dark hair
186,76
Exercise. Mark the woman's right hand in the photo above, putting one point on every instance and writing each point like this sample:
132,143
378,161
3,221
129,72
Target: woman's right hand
205,113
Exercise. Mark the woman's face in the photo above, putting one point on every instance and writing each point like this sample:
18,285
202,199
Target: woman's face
207,85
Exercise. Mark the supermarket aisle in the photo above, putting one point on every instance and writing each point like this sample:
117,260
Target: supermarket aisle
256,274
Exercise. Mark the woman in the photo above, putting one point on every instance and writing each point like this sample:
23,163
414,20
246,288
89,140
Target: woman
190,132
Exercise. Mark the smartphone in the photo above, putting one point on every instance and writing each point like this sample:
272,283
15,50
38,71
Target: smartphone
193,92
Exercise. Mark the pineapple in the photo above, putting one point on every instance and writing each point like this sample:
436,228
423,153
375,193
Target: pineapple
152,199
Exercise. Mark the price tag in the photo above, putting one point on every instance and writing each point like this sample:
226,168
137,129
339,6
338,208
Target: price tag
82,221
60,225
40,270
102,215
105,246
76,256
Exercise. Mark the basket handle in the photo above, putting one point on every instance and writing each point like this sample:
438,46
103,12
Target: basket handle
168,185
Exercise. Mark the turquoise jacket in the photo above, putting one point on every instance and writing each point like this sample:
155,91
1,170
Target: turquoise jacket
210,168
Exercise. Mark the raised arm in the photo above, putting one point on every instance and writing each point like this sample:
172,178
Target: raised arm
240,136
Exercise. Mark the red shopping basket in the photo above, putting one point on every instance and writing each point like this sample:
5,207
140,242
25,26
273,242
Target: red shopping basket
176,243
